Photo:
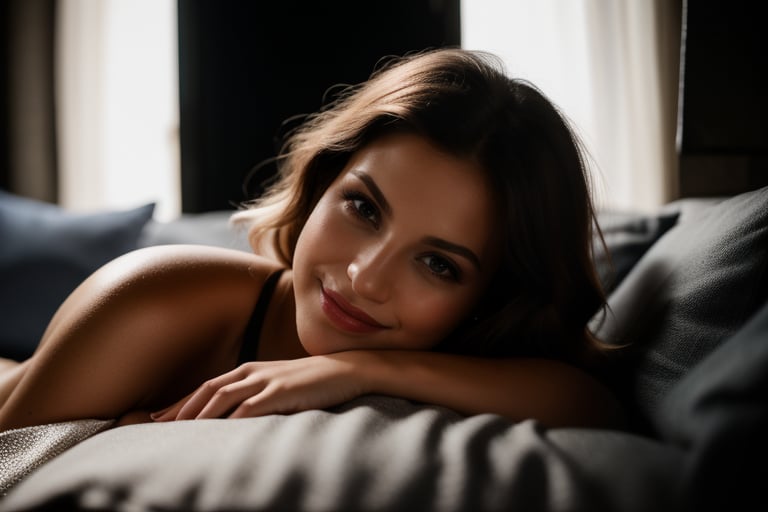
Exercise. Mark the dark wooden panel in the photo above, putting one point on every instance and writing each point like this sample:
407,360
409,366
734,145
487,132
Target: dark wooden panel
724,107
246,66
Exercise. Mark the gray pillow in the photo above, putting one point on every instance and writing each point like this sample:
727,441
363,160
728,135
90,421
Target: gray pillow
208,228
372,454
719,413
627,237
46,252
694,288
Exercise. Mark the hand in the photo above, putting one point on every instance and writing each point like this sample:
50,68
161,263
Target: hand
274,387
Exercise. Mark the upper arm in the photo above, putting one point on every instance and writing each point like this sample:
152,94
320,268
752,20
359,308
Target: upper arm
161,289
143,328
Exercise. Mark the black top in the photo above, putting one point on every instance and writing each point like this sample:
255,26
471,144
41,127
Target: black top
249,348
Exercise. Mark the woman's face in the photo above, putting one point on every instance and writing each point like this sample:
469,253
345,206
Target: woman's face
397,251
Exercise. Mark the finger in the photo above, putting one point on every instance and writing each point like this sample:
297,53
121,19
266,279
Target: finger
263,403
206,393
169,413
198,400
229,398
164,415
252,407
189,406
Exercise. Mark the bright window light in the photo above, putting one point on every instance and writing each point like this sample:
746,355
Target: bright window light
117,97
598,60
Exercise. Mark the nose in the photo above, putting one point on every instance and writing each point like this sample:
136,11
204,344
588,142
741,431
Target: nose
371,275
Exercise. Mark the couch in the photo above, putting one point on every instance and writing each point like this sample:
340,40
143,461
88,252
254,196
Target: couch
688,295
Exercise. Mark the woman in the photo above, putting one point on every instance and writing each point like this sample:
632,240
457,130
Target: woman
428,237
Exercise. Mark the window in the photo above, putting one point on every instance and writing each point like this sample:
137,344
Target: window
117,98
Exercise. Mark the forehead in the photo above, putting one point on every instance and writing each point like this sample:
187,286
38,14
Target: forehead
440,194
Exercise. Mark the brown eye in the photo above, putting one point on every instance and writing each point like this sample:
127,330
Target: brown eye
441,267
362,207
365,209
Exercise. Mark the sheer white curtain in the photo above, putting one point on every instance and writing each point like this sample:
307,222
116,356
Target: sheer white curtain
117,100
612,67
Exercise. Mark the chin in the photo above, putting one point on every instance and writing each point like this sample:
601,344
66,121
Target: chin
314,341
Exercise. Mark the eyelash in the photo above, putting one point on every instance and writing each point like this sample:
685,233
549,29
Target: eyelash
351,197
453,271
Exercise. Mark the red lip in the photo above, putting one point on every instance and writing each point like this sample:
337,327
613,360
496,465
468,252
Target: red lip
346,316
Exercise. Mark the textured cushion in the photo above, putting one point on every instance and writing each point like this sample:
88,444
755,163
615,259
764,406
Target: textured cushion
375,453
694,288
23,450
627,237
46,252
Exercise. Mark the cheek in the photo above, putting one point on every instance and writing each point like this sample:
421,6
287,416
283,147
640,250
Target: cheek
429,319
323,224
310,246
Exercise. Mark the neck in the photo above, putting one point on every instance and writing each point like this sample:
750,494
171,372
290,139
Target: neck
279,338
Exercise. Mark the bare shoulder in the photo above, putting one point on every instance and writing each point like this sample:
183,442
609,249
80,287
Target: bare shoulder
171,259
182,270
184,287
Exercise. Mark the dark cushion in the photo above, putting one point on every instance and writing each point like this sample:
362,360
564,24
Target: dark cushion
627,237
46,252
719,413
694,288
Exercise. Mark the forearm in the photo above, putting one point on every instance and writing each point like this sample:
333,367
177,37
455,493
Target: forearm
554,393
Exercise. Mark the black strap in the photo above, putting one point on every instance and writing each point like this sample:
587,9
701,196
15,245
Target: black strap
250,344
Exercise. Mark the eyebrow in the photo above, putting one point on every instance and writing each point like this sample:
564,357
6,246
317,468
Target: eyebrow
375,191
430,240
454,248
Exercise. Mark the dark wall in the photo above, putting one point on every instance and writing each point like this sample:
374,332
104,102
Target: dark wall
724,108
5,159
246,66
28,149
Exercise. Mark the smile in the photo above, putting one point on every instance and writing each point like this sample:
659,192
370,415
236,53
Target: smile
345,316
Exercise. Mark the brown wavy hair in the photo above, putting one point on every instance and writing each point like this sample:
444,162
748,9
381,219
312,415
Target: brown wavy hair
546,289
